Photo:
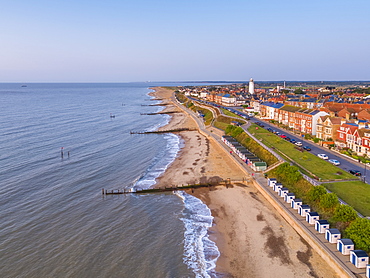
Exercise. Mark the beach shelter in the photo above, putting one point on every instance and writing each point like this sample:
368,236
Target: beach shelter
289,197
296,203
312,217
359,258
283,191
259,166
332,235
271,182
368,271
345,246
277,186
303,210
321,226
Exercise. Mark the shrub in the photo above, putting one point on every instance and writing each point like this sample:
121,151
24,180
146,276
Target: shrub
343,216
315,194
359,232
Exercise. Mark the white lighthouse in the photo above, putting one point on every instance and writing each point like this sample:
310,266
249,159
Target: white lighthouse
251,86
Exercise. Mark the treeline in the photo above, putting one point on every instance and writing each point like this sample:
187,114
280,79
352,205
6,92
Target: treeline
244,139
342,217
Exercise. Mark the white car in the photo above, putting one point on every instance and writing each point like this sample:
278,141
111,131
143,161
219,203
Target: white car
299,144
323,156
334,162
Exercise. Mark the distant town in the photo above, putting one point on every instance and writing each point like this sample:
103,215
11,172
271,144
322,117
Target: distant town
335,114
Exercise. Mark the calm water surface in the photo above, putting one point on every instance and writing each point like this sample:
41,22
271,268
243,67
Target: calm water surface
54,220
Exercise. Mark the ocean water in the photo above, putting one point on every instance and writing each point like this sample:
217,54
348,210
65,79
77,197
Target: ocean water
55,221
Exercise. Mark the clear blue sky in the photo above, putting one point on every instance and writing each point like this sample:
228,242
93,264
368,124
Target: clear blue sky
181,40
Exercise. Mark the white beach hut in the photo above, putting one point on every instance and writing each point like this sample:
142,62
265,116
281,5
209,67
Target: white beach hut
332,235
345,246
277,186
321,226
271,182
296,203
289,197
359,258
283,191
312,217
303,210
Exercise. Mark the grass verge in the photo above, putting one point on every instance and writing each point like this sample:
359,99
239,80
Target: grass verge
354,193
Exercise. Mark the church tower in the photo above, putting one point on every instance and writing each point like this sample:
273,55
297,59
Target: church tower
251,86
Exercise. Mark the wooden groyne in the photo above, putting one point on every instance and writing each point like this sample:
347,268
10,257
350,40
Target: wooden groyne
163,131
154,99
159,113
164,189
158,104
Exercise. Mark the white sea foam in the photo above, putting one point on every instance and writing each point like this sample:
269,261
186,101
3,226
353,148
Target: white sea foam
160,162
201,253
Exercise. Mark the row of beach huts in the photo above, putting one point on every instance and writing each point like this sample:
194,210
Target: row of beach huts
248,157
344,245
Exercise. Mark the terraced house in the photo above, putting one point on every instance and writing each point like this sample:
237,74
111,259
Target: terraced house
327,127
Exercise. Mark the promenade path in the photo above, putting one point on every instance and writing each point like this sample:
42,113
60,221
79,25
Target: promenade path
326,250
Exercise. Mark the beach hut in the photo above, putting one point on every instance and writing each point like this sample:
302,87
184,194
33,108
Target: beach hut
345,246
303,210
312,217
321,226
296,203
277,186
289,197
332,235
271,182
359,258
283,191
368,271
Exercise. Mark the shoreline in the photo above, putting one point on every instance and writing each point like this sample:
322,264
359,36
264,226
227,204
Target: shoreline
248,232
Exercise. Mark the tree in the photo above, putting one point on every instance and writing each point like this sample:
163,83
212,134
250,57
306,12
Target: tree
316,193
359,232
344,213
298,91
329,202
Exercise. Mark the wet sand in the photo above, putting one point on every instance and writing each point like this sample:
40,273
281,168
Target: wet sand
253,239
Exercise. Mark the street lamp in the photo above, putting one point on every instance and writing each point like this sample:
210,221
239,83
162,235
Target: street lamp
365,156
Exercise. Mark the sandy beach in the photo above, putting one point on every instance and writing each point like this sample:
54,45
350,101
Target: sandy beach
253,239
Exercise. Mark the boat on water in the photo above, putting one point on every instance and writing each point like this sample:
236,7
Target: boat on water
23,85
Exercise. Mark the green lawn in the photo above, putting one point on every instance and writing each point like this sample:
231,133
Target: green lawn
230,114
317,166
354,193
220,125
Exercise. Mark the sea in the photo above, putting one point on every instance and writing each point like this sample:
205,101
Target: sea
60,145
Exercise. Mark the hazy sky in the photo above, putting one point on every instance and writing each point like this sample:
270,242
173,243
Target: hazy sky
183,40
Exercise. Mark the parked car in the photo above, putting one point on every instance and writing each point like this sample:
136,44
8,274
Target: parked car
306,148
334,162
299,144
287,138
270,129
292,141
282,136
355,172
323,156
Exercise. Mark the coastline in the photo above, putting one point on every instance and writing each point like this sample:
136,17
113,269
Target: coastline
249,234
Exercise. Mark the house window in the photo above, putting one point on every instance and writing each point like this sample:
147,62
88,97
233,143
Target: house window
341,135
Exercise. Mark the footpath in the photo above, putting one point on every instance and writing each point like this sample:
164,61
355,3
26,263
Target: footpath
328,251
